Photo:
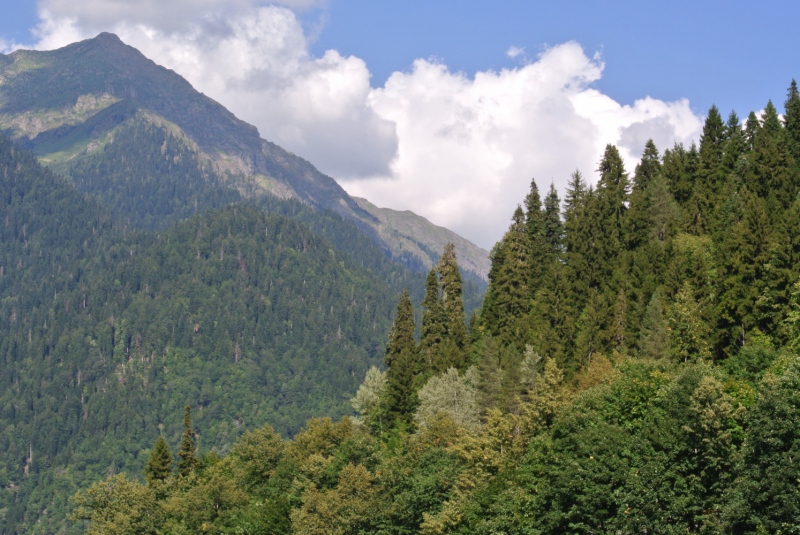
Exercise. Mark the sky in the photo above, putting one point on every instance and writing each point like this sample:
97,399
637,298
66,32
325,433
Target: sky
449,109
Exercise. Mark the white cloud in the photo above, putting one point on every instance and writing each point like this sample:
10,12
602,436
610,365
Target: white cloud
469,147
460,151
514,51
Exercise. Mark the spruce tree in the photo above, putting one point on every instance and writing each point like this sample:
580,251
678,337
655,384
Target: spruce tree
188,460
791,120
752,128
553,226
538,247
159,465
654,339
402,358
708,184
612,200
433,329
639,213
508,280
452,300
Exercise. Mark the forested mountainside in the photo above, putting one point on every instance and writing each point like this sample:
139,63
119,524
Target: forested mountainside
634,369
106,331
146,143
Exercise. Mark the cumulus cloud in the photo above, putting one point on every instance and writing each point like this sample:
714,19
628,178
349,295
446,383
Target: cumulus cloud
255,61
468,148
458,150
514,51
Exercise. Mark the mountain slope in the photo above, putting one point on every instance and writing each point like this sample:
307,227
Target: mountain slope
68,105
107,332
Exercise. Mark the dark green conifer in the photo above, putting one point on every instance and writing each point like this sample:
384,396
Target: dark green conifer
639,212
159,465
612,200
654,339
188,460
452,299
508,279
750,131
433,329
402,358
553,226
770,121
791,120
538,247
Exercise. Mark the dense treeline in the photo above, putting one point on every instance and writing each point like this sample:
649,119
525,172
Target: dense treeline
634,369
106,332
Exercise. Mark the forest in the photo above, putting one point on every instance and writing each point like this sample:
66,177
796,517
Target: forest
107,330
633,367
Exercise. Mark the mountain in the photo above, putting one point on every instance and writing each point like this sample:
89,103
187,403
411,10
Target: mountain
107,332
74,107
417,238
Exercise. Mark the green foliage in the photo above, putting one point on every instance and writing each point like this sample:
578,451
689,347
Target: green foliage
159,465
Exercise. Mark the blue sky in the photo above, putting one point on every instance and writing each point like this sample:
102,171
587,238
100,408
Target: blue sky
461,126
735,54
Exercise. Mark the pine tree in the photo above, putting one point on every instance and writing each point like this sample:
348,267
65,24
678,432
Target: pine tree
619,327
159,465
433,329
188,460
402,358
609,219
452,300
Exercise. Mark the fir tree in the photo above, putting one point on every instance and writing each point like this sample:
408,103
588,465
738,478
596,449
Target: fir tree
654,339
639,213
188,460
508,280
433,328
611,207
452,300
159,465
752,128
402,358
553,226
791,120
538,247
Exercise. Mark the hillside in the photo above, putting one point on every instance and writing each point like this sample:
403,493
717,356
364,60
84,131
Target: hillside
106,332
635,368
418,238
79,109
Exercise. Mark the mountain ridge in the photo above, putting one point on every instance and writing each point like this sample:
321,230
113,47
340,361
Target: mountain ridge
103,75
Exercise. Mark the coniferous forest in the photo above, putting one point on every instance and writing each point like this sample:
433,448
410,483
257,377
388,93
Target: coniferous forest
634,366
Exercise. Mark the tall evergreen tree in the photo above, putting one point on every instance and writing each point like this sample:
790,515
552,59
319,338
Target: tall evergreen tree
452,300
750,131
507,293
612,200
553,226
791,120
640,208
402,358
706,190
159,465
433,329
188,460
538,248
